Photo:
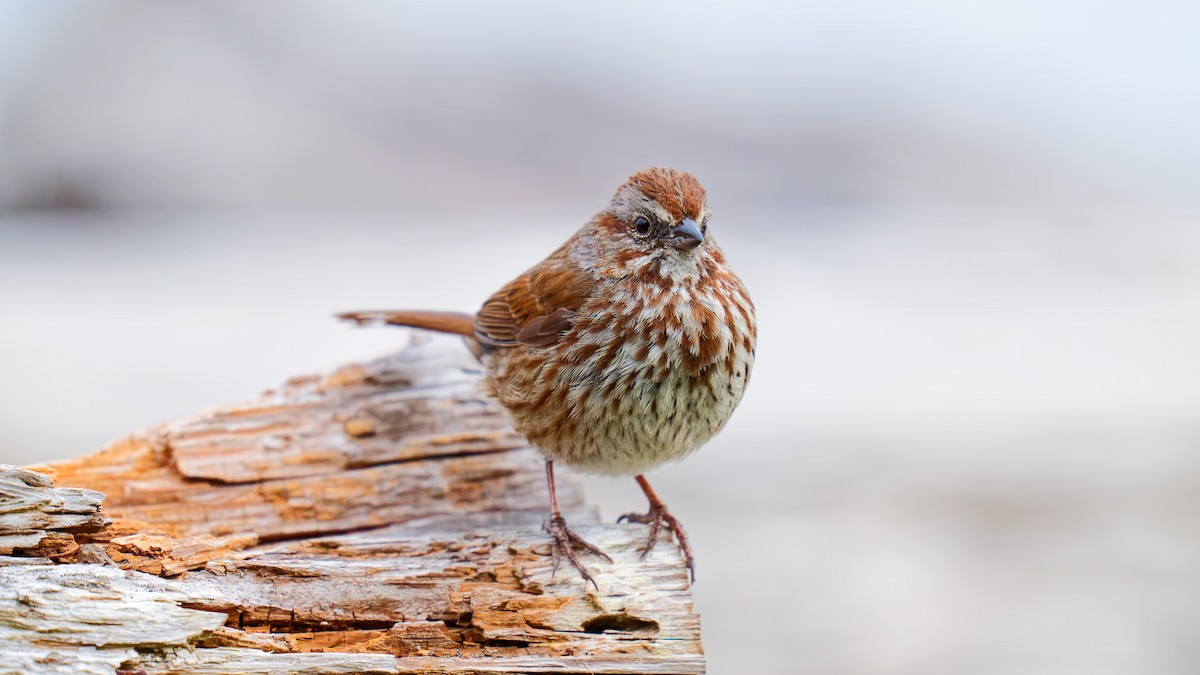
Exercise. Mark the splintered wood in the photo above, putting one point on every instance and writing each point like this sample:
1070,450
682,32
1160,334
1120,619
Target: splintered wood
39,520
381,519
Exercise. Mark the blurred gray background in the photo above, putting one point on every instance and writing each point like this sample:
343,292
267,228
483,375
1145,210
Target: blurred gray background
972,231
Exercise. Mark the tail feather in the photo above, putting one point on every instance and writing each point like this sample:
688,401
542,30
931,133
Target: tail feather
457,323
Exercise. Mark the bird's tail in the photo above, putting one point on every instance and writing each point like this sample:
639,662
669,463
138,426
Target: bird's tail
457,323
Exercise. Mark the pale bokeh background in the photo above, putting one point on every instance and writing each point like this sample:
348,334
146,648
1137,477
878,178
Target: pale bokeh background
972,231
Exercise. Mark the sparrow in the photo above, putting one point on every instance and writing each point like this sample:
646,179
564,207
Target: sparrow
627,347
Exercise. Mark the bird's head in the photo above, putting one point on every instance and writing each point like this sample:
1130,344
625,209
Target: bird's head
661,208
656,222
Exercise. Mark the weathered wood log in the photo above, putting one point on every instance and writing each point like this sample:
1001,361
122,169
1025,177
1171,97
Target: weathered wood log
381,519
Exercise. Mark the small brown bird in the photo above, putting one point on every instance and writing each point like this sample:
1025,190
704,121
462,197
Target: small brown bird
627,347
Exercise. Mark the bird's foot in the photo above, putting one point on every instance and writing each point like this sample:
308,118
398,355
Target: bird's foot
656,517
564,543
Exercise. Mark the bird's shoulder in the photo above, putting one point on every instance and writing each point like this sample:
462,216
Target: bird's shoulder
537,307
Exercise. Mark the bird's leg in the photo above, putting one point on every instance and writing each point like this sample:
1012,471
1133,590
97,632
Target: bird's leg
655,517
564,540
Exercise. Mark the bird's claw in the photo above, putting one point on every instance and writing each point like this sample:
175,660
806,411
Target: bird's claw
655,518
563,544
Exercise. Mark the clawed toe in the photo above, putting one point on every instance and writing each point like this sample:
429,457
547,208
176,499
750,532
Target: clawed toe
642,518
563,544
656,517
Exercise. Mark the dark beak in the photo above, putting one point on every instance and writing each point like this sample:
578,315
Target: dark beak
687,235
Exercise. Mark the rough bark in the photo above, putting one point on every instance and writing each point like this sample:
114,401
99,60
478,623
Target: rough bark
381,519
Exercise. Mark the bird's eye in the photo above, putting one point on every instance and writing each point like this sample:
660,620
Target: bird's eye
642,225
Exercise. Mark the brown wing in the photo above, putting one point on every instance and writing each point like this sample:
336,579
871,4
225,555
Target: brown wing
536,308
